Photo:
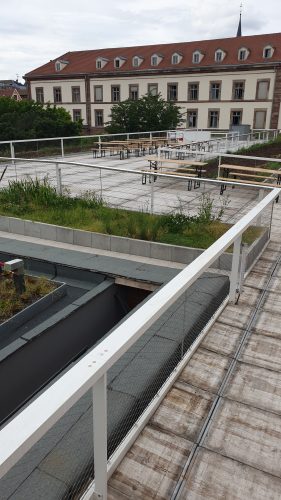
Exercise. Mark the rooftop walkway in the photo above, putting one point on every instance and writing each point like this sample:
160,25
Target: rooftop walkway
217,433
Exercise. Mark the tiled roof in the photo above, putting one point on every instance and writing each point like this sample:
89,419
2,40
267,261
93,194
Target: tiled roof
7,92
84,62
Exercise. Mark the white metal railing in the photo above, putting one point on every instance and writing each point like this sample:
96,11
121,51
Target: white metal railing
26,428
152,193
226,138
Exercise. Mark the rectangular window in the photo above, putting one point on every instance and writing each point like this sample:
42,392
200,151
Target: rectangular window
75,94
39,94
213,119
133,92
215,91
98,93
152,88
238,91
236,117
262,89
172,92
191,120
259,118
99,117
57,94
193,91
154,61
77,115
115,93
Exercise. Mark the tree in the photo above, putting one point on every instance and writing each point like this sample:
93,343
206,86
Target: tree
148,113
29,120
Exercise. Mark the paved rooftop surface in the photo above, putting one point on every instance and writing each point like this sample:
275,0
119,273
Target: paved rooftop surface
217,433
125,190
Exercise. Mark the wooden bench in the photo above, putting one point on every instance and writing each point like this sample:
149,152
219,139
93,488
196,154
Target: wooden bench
248,172
151,173
177,162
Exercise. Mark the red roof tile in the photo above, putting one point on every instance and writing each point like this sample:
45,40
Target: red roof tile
84,62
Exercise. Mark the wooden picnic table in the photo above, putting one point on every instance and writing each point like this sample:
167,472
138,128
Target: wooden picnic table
231,172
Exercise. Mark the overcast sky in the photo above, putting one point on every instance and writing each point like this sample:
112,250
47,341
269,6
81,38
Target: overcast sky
33,32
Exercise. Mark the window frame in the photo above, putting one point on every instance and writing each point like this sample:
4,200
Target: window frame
74,119
258,110
131,85
149,90
262,80
37,89
112,93
232,111
73,89
234,83
169,85
210,111
188,112
215,82
95,90
189,85
55,90
98,113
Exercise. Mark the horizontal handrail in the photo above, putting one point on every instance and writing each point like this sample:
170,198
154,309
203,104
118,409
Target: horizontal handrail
137,172
26,428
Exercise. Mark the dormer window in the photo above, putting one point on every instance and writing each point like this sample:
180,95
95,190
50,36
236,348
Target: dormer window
101,62
243,54
197,57
156,59
176,58
118,62
59,65
137,61
268,52
219,55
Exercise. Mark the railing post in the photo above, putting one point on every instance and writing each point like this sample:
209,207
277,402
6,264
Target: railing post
12,149
261,196
62,148
100,437
58,176
234,276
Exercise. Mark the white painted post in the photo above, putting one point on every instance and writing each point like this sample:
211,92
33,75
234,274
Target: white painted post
99,145
219,166
152,194
62,148
261,196
242,266
234,276
58,176
100,437
12,149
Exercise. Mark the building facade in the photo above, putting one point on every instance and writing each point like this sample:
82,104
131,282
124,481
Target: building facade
216,83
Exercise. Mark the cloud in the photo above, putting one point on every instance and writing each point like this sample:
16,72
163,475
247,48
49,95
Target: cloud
31,37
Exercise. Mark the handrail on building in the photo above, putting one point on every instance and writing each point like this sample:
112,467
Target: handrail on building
28,426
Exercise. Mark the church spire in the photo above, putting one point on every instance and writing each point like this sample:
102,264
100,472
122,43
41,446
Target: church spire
239,30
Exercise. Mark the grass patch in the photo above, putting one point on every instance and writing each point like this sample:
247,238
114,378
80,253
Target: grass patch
11,303
38,201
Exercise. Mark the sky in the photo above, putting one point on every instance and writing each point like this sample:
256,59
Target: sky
32,32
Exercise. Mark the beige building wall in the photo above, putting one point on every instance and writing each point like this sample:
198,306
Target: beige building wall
203,105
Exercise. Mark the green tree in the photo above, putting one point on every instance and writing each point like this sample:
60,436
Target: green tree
148,113
30,120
